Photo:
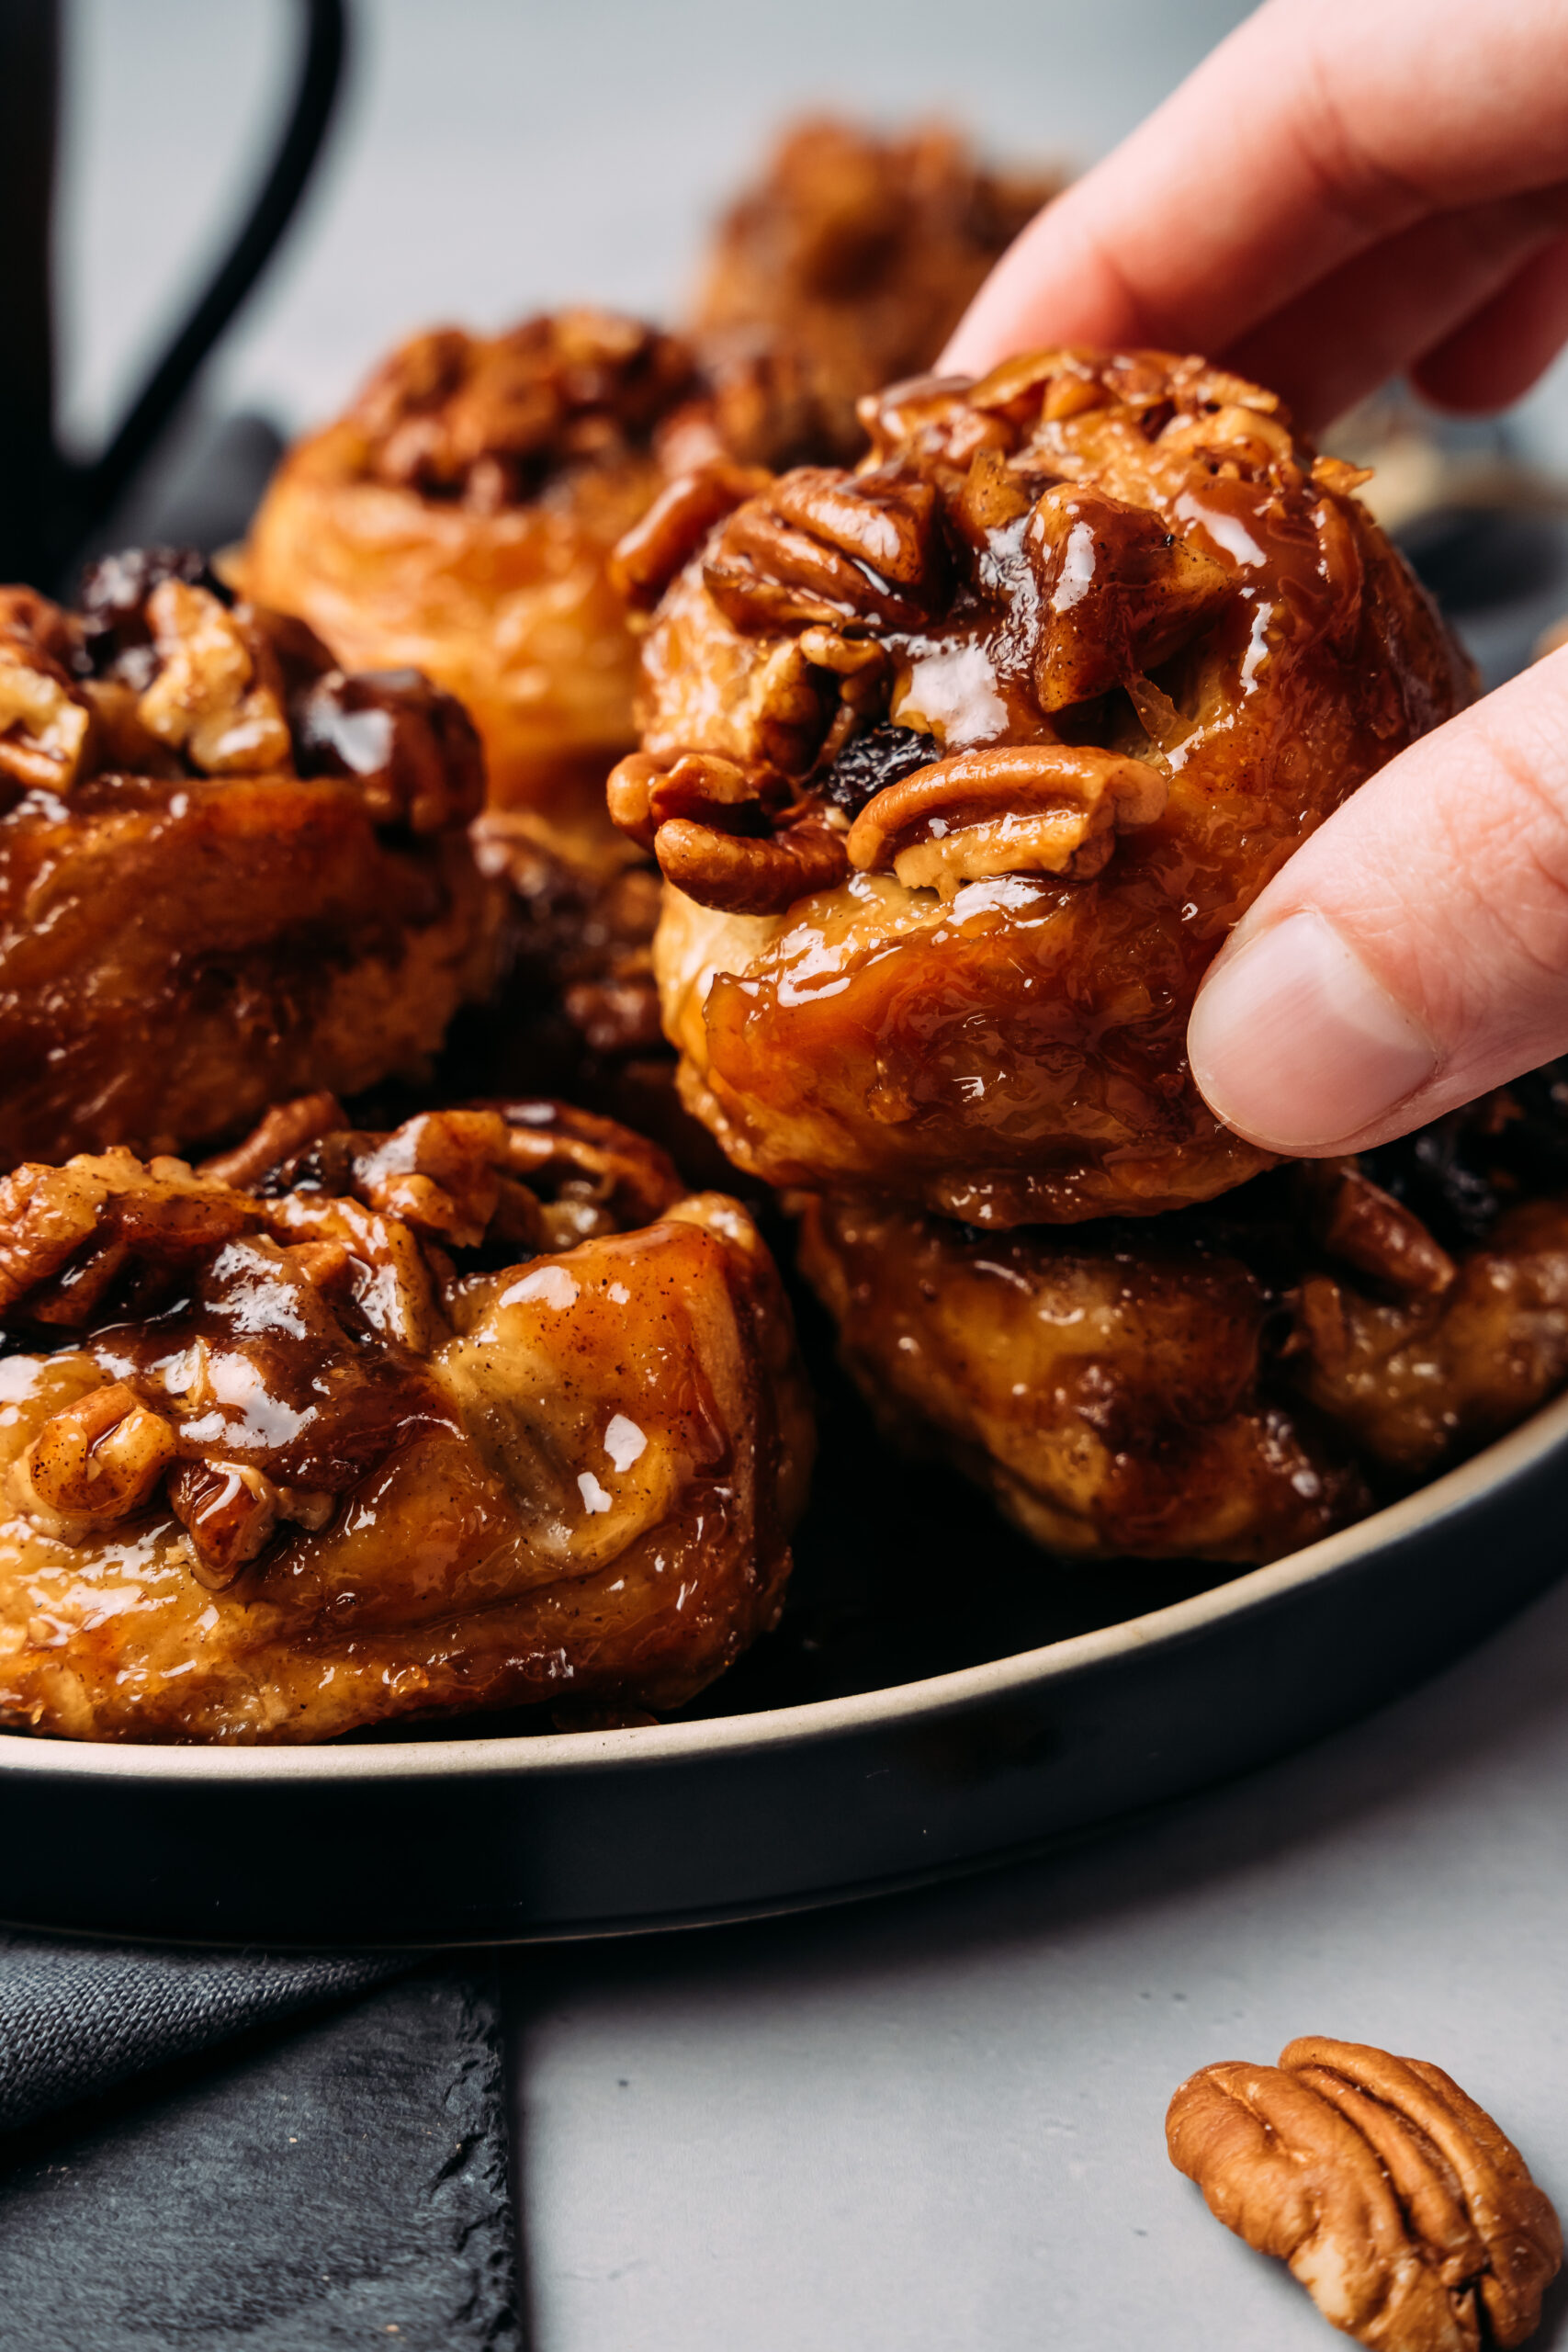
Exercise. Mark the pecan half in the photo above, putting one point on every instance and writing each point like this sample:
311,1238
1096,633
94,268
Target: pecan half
1409,2218
1012,808
742,877
826,546
643,563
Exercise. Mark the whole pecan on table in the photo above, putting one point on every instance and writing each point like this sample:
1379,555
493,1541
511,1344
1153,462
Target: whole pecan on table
1409,2218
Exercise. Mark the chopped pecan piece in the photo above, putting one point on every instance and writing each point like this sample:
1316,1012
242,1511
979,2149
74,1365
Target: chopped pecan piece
749,876
1366,1227
45,719
1021,808
230,1511
94,1464
1120,593
282,1133
1409,2218
441,1172
412,747
43,724
206,699
49,1217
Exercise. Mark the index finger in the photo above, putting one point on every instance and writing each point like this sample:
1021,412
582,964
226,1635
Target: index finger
1315,132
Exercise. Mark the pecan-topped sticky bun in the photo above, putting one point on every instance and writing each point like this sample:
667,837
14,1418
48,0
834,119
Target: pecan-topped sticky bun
856,254
459,519
229,870
345,1429
963,765
1233,1380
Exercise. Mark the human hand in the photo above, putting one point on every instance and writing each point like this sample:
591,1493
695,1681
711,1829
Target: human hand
1338,194
1343,191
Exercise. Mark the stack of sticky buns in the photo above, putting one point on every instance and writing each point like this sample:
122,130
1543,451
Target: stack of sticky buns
881,768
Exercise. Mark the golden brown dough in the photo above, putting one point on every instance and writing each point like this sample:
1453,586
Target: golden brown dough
963,766
459,519
228,871
1227,1382
858,254
1104,1385
480,1413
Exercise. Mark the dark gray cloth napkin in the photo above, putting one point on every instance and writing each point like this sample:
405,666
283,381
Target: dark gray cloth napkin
75,2018
274,2151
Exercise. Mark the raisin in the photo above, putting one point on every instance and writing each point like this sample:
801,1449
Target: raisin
884,756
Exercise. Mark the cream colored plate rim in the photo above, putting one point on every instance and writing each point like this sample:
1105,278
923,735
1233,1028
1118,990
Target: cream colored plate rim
554,1753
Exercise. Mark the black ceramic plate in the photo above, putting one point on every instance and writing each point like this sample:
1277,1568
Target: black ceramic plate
811,1798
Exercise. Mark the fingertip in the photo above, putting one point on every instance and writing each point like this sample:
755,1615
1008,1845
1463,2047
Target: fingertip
1296,1046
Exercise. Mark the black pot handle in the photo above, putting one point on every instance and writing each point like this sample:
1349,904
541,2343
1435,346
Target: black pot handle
96,486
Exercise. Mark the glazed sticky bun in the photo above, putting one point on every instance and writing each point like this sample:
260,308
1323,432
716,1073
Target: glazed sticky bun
855,255
962,765
459,519
347,1428
229,870
1231,1381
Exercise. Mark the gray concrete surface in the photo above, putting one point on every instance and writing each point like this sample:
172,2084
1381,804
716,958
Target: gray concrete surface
934,2124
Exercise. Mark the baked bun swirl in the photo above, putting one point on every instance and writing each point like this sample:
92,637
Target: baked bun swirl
229,871
963,765
460,518
347,1429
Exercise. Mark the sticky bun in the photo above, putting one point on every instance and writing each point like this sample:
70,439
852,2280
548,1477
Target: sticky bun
1231,1381
962,765
229,870
349,1428
856,254
459,519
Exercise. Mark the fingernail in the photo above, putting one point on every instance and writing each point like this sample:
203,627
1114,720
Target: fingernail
1296,1046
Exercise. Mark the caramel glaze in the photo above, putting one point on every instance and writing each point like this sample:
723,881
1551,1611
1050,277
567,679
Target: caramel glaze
1167,643
228,871
483,1413
1234,1380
